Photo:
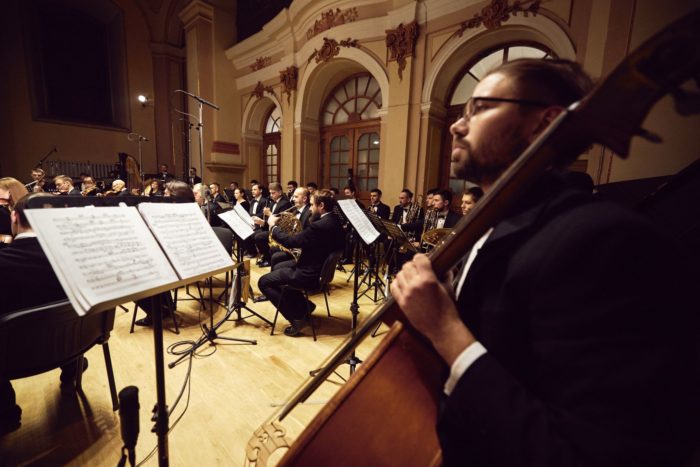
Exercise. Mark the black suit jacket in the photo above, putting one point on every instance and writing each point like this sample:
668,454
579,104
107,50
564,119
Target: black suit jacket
259,208
305,217
581,307
382,210
451,219
74,192
321,238
28,278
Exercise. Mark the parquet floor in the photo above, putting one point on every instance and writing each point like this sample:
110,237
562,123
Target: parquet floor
234,389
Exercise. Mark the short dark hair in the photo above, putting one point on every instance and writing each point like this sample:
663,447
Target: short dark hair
181,191
293,183
254,182
21,205
334,190
550,81
351,188
432,191
475,191
408,192
326,197
445,194
312,185
377,191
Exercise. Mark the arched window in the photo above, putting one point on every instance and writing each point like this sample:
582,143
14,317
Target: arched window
350,134
271,144
464,86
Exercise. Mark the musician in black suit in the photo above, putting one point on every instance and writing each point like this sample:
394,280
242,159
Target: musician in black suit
193,178
28,280
164,176
323,237
446,217
64,184
573,339
303,213
216,194
376,205
257,206
277,203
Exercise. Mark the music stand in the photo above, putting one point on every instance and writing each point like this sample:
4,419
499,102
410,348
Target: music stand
373,269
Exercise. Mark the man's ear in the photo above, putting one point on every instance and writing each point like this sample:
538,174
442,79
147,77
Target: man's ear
14,218
545,118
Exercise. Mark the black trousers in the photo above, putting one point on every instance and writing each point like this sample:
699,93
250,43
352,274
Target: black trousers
262,242
294,305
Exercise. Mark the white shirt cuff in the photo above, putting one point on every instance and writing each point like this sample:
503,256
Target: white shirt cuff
462,364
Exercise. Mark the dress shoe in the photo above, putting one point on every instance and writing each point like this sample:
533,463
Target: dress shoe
295,329
260,298
147,321
264,264
10,420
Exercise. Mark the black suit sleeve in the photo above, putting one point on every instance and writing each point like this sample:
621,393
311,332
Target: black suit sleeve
600,373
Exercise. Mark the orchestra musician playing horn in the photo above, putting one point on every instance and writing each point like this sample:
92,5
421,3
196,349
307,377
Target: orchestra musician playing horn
569,333
321,238
276,203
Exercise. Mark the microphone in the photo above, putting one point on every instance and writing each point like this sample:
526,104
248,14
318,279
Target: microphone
199,99
129,419
136,137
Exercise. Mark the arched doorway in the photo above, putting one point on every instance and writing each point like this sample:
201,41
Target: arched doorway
350,134
462,88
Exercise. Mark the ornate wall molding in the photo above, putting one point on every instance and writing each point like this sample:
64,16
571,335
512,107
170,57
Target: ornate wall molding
260,63
288,78
498,12
261,89
331,48
331,19
401,43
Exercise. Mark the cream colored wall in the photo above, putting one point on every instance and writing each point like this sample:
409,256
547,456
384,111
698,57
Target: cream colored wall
27,140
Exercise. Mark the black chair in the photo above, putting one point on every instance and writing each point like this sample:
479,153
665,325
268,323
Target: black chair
40,339
325,278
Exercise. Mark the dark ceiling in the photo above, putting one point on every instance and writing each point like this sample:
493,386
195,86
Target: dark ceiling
253,14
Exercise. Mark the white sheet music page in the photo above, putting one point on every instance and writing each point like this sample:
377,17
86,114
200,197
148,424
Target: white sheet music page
244,215
358,220
186,238
100,254
237,224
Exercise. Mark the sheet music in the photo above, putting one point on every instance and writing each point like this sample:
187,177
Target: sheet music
100,254
358,220
238,225
186,238
244,215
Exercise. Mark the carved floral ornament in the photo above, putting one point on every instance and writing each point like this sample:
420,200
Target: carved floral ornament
260,63
498,12
330,19
261,89
401,43
288,78
331,48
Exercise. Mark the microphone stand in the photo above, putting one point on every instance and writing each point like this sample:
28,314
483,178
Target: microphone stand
41,161
139,139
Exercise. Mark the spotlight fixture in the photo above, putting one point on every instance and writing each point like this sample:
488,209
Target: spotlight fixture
144,100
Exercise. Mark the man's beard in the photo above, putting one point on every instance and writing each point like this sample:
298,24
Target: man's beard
484,166
315,216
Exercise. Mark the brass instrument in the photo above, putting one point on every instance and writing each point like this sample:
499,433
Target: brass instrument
414,210
432,236
289,223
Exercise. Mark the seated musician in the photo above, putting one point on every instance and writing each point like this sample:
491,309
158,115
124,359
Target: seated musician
292,185
90,187
38,182
11,190
155,188
323,237
64,185
469,199
572,340
376,205
28,281
119,188
208,208
277,203
257,206
217,195
446,217
303,214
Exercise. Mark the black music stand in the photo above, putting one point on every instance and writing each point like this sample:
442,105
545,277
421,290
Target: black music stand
372,277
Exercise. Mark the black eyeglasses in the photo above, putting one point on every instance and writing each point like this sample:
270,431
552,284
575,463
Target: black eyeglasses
473,106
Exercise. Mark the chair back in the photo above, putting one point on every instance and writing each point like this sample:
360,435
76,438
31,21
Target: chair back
225,236
328,269
39,339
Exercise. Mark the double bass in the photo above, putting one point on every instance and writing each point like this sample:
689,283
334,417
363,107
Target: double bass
386,413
